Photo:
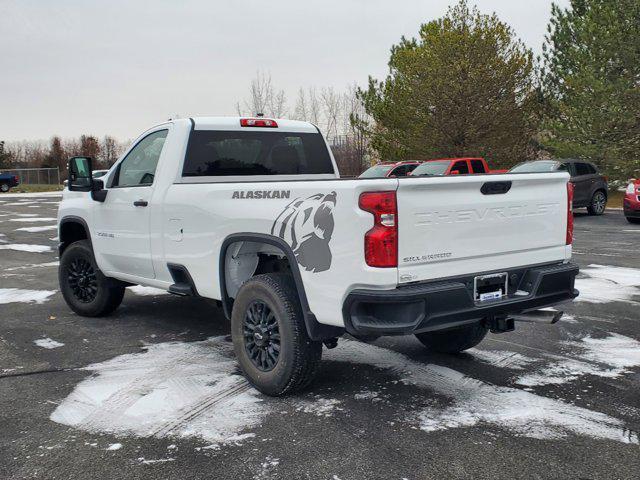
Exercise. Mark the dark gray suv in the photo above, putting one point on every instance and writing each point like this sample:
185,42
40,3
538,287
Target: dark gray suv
590,187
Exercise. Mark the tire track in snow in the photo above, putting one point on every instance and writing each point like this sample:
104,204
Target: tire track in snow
172,389
238,385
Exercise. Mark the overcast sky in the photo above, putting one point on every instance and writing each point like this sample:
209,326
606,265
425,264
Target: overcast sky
118,66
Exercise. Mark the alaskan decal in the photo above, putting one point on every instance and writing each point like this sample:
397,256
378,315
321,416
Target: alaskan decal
242,194
307,225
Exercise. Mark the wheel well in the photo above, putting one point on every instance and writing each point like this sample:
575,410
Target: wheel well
72,231
245,259
244,255
603,190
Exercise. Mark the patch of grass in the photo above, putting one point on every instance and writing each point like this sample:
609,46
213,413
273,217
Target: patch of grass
34,188
614,199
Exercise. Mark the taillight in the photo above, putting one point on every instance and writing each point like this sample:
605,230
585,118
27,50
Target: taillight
381,242
258,122
569,213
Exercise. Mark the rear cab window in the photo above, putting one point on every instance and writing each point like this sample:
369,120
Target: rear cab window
377,171
232,153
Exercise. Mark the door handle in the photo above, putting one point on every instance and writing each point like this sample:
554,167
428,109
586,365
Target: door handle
140,203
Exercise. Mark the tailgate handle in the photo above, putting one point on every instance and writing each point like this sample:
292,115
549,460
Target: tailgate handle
495,188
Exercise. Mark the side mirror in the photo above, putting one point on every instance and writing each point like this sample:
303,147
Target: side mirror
80,174
81,179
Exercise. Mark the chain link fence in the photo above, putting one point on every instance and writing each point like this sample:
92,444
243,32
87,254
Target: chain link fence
36,176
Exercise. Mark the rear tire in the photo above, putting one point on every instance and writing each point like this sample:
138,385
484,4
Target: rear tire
84,287
270,336
633,220
4,187
598,203
455,340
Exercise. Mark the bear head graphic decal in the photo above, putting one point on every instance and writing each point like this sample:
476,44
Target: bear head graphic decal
307,225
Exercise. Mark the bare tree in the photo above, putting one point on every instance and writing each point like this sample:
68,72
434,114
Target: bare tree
301,110
331,104
263,98
314,106
110,151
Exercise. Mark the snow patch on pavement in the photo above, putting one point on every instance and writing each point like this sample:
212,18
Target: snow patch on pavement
608,284
57,193
322,407
48,343
171,389
194,390
114,446
25,247
502,358
473,402
33,219
147,291
37,229
33,265
267,468
608,357
18,295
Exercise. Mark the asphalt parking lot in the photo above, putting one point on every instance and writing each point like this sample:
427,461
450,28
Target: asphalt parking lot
153,391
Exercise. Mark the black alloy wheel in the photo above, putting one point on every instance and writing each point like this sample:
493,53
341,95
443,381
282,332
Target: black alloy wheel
261,336
82,280
598,203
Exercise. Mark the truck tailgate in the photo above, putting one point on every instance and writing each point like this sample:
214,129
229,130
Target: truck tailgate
459,225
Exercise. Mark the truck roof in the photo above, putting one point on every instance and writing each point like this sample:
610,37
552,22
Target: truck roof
233,123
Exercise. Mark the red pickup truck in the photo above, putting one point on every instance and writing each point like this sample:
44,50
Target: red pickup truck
453,166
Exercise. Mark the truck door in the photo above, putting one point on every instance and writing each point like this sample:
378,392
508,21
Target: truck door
122,238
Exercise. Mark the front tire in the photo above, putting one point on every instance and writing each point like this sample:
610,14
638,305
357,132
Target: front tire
455,340
4,187
84,287
598,203
270,337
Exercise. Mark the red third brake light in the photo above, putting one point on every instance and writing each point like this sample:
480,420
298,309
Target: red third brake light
569,213
381,242
258,122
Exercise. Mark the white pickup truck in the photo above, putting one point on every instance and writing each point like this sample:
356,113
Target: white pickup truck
252,212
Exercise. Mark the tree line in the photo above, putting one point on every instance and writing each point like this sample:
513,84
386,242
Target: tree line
57,151
468,86
465,86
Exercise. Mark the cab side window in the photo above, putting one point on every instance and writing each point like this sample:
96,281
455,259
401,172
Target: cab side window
461,166
478,166
139,166
582,169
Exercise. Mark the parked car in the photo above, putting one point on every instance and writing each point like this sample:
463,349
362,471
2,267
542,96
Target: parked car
453,166
390,169
631,202
590,187
252,212
8,181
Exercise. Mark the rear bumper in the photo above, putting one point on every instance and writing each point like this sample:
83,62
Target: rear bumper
449,303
